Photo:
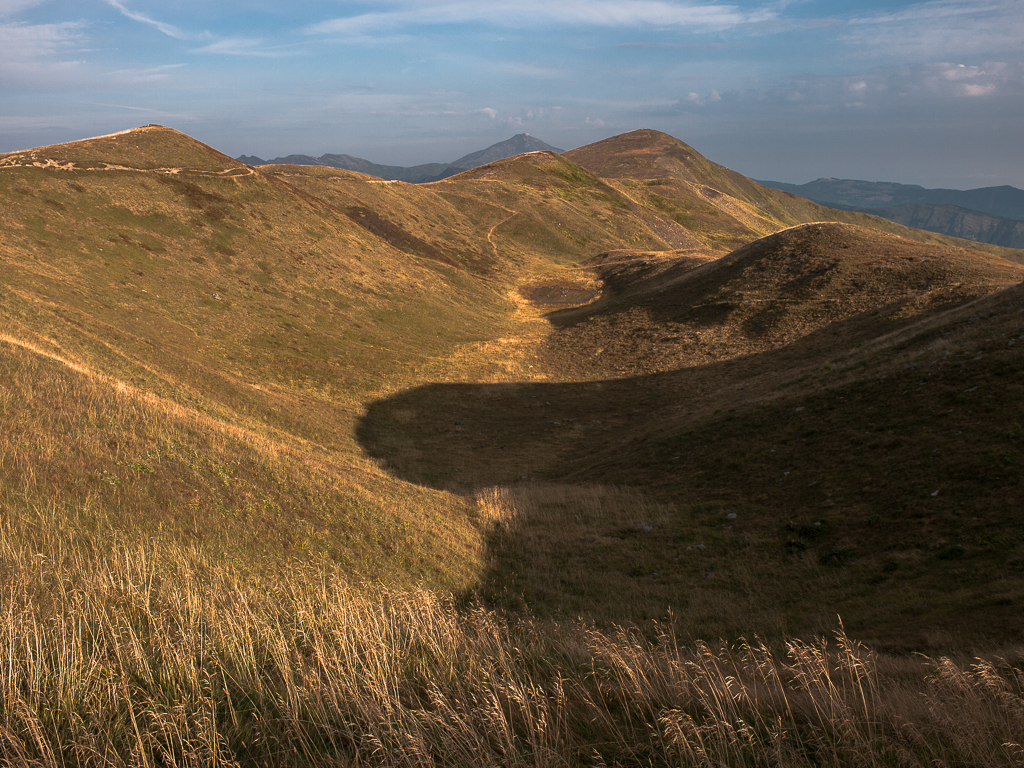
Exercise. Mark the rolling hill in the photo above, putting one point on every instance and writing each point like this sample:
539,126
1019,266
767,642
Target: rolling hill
260,426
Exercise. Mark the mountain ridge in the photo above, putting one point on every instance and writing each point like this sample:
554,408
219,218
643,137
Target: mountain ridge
401,337
299,466
417,174
988,214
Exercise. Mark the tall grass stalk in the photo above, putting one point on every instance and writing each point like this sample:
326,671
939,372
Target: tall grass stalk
122,651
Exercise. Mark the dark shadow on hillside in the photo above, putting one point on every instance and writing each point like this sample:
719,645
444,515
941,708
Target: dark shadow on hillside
902,485
468,436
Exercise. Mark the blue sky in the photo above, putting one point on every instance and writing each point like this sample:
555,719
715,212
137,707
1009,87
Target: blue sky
927,93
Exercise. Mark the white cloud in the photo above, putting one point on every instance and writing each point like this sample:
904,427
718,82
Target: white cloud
488,111
697,100
33,55
29,41
531,13
976,89
934,88
11,7
931,30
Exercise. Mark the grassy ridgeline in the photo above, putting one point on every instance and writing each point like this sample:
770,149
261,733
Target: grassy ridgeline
201,565
119,651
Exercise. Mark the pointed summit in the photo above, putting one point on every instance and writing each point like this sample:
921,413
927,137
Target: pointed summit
644,154
517,145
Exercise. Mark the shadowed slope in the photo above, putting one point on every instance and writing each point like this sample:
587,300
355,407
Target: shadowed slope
765,295
879,481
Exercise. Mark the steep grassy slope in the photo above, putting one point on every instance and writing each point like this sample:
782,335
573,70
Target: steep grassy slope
508,219
194,298
187,345
273,307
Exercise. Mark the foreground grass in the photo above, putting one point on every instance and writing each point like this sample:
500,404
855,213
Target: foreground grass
122,651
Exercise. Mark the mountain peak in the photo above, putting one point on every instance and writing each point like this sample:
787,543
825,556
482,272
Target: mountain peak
517,145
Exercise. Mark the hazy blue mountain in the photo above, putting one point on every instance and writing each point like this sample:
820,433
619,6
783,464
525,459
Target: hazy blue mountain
987,215
954,221
517,145
1005,202
416,174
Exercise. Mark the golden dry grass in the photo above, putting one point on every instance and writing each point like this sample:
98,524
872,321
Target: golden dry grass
120,651
102,450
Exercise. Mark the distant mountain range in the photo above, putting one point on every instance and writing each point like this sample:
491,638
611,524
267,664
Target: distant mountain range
416,174
988,215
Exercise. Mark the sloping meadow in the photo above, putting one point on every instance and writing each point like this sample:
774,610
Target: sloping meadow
245,518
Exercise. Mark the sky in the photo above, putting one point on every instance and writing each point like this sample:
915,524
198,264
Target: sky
928,93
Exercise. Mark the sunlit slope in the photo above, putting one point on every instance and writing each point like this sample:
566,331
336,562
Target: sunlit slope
149,148
119,464
223,288
506,220
188,345
721,207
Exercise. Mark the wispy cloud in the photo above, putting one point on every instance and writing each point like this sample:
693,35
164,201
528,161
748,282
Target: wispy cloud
530,13
247,46
168,29
11,7
940,28
228,46
144,76
678,46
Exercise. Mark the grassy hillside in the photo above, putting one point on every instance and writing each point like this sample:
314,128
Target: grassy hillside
672,177
302,467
